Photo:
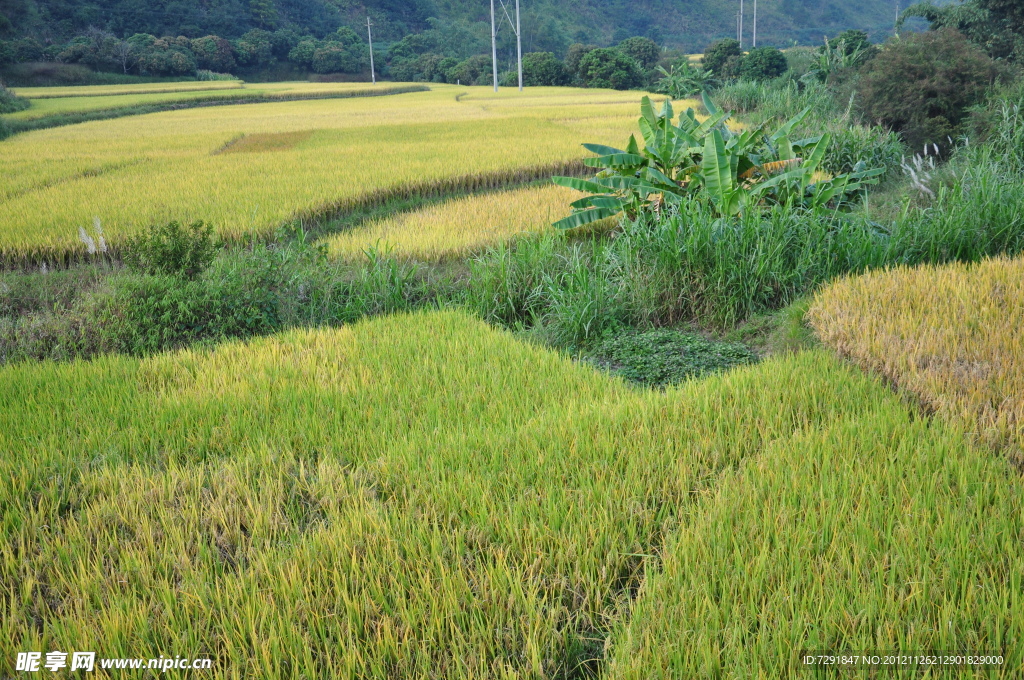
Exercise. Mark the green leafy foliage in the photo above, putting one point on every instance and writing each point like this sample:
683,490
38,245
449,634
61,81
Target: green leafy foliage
718,54
543,68
706,162
997,26
644,50
763,63
172,249
610,68
683,80
662,357
9,102
922,85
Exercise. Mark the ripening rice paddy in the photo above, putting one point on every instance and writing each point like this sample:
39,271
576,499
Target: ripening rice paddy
949,334
400,498
132,172
457,226
114,90
106,98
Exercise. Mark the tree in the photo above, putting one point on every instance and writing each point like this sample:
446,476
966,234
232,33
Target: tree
125,55
573,57
922,85
255,48
609,68
763,63
644,50
214,53
543,68
718,54
473,71
997,26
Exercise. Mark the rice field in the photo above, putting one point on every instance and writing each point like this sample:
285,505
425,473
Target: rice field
135,171
951,335
457,227
107,99
134,88
399,498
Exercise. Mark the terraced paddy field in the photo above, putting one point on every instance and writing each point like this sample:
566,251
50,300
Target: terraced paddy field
400,499
301,160
48,101
457,227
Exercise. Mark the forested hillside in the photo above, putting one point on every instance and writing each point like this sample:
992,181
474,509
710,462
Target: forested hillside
549,25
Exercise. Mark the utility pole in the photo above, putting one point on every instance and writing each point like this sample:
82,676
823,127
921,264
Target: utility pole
755,23
369,34
519,46
494,47
741,24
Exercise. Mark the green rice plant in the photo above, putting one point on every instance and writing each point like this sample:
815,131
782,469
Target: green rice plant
421,496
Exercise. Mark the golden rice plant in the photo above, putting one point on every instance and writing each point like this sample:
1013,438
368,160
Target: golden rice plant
457,226
422,496
949,334
106,100
135,171
133,88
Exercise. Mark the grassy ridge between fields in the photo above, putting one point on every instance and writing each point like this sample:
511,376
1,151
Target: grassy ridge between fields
422,496
950,334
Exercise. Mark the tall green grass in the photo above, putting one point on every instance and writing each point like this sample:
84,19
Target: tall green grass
422,496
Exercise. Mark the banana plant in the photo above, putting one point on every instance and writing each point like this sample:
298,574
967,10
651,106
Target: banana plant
687,159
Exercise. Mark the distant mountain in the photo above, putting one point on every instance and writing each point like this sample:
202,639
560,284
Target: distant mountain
548,25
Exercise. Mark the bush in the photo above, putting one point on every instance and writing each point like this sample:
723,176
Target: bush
9,102
763,63
923,85
718,54
610,68
171,249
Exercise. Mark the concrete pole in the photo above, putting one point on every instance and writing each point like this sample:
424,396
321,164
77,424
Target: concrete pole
369,33
494,47
755,23
741,24
519,46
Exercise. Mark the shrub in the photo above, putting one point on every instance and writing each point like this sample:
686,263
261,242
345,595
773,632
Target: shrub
172,249
9,102
923,85
763,63
718,54
610,68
